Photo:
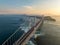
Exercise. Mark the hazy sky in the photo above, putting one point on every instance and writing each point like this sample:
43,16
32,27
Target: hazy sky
30,7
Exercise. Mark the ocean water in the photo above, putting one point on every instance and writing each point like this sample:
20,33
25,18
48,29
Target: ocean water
51,32
10,23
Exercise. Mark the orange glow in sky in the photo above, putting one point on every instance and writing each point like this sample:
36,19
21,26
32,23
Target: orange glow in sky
47,7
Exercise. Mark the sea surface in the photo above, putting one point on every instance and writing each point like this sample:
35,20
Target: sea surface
51,32
10,23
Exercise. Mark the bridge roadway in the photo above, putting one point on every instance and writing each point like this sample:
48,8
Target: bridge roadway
25,37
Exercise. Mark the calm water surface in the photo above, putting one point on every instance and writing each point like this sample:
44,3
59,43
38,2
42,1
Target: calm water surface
10,23
51,32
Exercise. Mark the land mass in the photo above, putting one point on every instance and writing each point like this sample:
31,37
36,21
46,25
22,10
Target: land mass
49,18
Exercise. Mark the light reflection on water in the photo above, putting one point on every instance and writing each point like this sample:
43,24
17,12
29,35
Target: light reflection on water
57,20
51,32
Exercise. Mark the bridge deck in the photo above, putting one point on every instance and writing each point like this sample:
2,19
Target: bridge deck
24,39
10,30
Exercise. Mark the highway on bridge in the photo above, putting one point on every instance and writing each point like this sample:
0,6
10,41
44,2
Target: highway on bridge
21,37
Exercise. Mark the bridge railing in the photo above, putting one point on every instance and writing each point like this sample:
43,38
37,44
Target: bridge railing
30,32
17,34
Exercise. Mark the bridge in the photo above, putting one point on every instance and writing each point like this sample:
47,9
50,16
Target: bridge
17,39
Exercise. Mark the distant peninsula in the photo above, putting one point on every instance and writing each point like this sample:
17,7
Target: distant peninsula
49,18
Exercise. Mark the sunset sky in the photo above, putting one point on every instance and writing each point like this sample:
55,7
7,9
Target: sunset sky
47,7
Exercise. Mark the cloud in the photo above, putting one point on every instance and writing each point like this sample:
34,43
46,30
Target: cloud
10,11
28,7
29,10
23,10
